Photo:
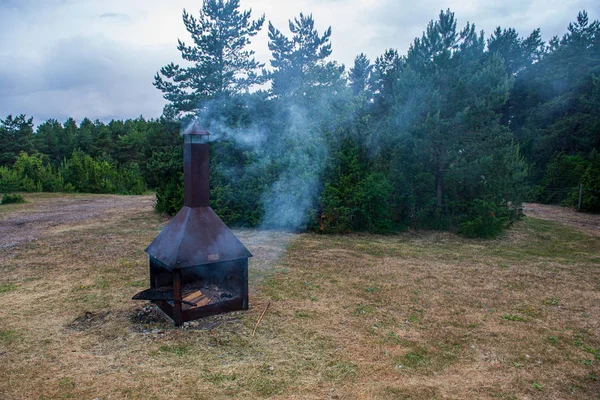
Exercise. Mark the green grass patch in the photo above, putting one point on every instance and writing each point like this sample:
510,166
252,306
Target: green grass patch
416,358
340,370
9,336
552,339
304,314
547,240
537,386
283,286
218,378
428,360
265,385
179,350
551,301
395,339
66,387
513,317
7,287
136,284
529,311
364,309
101,283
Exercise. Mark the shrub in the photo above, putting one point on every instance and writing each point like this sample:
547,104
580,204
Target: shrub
80,173
484,219
169,195
9,180
591,184
12,199
375,209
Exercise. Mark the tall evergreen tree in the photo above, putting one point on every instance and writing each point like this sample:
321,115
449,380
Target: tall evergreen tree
299,62
385,73
85,136
16,135
220,64
555,100
468,90
46,139
360,74
518,53
67,139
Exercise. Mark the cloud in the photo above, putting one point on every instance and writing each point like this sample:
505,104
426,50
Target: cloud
84,77
97,59
395,23
117,16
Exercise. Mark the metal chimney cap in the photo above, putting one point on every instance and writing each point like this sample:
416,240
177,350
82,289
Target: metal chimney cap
195,129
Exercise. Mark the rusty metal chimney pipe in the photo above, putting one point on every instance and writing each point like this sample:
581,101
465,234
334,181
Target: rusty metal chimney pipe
196,159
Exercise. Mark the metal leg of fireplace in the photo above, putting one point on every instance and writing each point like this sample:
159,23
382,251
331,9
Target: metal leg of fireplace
177,304
245,286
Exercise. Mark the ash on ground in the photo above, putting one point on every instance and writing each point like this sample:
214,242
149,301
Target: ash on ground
149,319
88,320
214,321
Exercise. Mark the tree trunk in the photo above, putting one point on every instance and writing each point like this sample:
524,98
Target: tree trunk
439,191
439,180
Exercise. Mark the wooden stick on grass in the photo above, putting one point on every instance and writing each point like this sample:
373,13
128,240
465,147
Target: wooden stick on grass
260,319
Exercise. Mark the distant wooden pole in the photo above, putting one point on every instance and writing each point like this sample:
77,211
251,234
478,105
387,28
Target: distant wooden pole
580,194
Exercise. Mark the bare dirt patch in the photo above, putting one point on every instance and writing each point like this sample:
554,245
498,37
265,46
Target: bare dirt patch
53,211
87,321
589,223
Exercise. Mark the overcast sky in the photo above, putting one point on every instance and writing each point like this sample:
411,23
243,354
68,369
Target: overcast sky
97,58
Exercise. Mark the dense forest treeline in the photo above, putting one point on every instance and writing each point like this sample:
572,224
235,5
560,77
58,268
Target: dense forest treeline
91,157
453,135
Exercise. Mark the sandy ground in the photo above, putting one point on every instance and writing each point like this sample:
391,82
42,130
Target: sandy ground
588,223
49,211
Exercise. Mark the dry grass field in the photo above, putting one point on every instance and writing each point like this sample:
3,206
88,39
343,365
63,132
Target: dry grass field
418,315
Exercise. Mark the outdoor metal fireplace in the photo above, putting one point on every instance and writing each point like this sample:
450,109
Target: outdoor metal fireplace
198,267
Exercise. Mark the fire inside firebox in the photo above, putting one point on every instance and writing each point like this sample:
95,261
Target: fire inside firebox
198,267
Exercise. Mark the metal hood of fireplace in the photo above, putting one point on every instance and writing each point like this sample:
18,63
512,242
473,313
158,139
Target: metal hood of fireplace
196,235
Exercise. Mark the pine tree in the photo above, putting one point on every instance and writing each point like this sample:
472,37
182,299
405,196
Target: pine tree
555,100
360,74
16,134
298,61
85,136
220,65
461,127
518,53
382,80
46,139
